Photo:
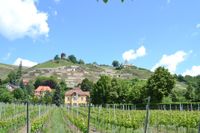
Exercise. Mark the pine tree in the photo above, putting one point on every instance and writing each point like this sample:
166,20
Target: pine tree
57,97
19,72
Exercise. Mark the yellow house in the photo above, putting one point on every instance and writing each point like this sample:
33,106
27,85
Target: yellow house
76,97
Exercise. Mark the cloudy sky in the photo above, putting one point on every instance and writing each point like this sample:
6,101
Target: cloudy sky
146,33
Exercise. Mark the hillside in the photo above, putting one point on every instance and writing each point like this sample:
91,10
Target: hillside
5,69
75,73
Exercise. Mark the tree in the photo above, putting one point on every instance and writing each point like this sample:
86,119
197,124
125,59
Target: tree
5,96
57,97
72,58
137,92
47,99
30,89
56,57
63,89
46,81
115,63
63,55
87,85
197,91
100,93
19,71
12,77
81,61
19,94
160,84
189,95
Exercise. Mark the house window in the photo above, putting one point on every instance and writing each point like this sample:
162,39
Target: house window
82,98
75,97
68,99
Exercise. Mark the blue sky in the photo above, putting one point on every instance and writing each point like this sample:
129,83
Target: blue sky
152,33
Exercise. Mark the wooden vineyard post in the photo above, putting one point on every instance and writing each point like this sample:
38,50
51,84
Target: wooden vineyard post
27,116
147,116
199,128
88,117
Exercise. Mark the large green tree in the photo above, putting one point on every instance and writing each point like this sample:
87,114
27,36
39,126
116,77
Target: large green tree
46,81
5,96
19,71
19,94
115,63
72,58
87,85
100,93
190,95
160,84
197,91
12,77
57,97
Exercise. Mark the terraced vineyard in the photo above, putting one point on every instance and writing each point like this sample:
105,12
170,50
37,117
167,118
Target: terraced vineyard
45,119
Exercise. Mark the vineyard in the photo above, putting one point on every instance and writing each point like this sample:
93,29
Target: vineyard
45,119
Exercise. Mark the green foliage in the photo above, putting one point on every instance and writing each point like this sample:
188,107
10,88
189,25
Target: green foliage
189,95
46,81
12,77
197,91
5,96
108,91
30,89
47,99
160,84
87,85
137,92
57,97
38,123
19,94
115,63
56,57
19,71
72,58
54,64
101,90
81,62
63,55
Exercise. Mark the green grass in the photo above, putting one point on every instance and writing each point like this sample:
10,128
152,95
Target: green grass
137,72
54,64
5,69
56,124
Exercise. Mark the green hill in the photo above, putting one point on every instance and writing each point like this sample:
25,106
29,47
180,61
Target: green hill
74,73
5,69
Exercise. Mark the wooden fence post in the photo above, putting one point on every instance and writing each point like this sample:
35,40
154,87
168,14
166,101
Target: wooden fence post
147,116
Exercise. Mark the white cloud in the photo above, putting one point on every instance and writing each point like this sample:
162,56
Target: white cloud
25,62
171,61
20,18
198,26
132,54
194,71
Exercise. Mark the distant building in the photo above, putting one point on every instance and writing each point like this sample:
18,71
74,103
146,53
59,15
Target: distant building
41,90
25,82
126,64
76,97
12,87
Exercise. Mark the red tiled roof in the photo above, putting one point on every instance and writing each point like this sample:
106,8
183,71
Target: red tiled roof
78,91
43,88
